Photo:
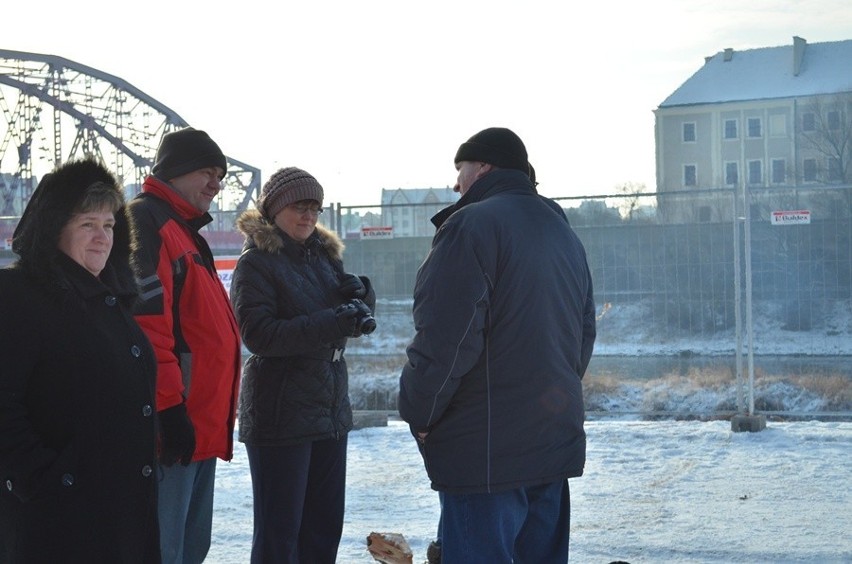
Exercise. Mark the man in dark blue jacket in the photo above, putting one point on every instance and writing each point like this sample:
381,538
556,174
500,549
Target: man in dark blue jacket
505,322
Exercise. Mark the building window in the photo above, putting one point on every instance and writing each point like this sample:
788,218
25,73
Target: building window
689,175
779,171
778,125
833,120
730,129
689,132
754,127
755,172
809,170
835,173
808,121
704,214
731,174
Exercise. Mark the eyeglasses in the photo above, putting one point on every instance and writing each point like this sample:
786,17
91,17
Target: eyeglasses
302,209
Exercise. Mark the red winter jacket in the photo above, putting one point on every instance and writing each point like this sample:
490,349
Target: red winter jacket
187,316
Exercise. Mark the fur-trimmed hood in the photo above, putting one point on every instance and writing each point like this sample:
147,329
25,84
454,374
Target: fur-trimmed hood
51,206
268,238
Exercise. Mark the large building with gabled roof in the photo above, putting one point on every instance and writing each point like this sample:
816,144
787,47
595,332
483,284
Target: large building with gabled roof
772,118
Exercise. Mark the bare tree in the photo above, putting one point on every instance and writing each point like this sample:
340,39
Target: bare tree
826,131
632,192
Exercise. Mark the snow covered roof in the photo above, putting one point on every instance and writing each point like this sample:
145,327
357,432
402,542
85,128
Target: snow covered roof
418,196
800,69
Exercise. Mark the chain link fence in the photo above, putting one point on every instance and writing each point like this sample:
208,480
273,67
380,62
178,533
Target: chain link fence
677,259
686,284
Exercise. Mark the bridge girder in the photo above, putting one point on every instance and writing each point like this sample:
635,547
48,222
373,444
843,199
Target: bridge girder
93,113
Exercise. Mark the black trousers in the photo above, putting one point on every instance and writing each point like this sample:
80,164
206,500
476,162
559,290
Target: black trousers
299,495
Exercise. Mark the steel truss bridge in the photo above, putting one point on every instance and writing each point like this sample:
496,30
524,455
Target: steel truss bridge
55,110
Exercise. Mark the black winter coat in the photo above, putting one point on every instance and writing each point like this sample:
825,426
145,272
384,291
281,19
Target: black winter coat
77,424
505,321
284,295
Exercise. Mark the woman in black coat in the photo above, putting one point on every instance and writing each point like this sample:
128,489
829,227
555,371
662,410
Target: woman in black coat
77,436
294,306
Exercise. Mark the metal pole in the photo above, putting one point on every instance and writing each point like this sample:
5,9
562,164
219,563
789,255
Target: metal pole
338,219
738,318
749,321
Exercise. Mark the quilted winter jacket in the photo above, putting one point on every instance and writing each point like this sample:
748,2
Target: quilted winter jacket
186,314
505,322
284,295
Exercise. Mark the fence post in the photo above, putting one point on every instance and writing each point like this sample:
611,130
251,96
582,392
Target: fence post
750,422
738,322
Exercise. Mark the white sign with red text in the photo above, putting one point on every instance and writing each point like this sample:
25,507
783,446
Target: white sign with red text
795,217
377,233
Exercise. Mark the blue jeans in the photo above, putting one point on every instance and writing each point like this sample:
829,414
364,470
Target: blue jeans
522,526
185,500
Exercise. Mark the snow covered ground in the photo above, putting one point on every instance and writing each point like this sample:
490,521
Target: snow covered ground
653,492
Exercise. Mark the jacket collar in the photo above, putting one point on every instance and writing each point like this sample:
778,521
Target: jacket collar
86,284
492,183
186,211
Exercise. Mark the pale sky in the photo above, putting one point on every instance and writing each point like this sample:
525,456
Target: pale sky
379,94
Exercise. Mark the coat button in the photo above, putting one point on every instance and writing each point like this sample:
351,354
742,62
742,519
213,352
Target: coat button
135,351
67,480
9,485
147,471
110,300
147,410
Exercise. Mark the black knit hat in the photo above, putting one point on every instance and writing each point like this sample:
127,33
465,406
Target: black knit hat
497,146
184,151
286,186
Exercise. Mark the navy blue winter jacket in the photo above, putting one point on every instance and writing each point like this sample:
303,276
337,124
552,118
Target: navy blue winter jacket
505,325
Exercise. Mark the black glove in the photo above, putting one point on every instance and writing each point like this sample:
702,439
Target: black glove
177,436
351,286
346,316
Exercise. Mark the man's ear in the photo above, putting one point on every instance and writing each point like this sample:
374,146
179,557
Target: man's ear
484,168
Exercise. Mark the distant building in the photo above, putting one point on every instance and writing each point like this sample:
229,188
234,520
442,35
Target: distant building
766,118
408,211
14,194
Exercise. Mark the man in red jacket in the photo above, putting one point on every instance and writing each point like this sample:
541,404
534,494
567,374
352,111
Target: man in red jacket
187,316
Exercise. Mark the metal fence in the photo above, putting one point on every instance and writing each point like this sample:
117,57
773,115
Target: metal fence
671,253
675,255
688,284
735,283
